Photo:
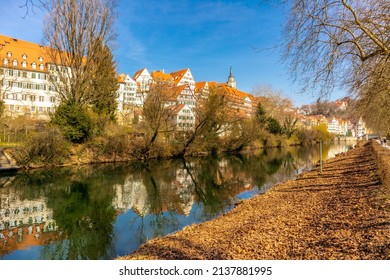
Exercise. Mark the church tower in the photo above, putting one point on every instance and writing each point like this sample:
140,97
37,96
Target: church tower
231,81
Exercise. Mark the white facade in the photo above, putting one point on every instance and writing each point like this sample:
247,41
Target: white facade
187,97
27,92
143,80
127,93
183,117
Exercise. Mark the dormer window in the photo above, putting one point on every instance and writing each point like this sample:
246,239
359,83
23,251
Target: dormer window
24,64
24,56
15,62
5,61
40,58
34,65
9,54
41,67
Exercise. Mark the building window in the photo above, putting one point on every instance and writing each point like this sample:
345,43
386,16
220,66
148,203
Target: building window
24,64
40,109
11,107
33,75
15,62
9,54
41,66
34,65
24,74
32,108
24,56
33,98
41,98
48,109
40,58
24,97
5,61
52,99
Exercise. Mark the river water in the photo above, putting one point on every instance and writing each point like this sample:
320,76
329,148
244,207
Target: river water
108,210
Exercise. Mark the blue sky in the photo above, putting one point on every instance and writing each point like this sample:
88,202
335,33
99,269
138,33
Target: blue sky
206,36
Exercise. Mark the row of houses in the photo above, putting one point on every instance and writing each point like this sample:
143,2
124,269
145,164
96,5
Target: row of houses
336,126
26,88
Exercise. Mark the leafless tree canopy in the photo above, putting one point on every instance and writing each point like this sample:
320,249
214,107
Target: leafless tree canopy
75,31
331,42
343,43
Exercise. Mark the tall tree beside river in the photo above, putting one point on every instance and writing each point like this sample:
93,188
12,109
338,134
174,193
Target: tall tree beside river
80,35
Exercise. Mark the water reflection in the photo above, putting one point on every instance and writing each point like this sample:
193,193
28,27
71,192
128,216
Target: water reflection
104,211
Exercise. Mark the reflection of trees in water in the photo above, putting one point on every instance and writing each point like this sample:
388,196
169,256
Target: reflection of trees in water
85,215
82,210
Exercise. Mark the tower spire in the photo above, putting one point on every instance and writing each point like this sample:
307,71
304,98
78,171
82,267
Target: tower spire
231,81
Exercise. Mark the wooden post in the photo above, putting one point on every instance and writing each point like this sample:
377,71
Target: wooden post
321,156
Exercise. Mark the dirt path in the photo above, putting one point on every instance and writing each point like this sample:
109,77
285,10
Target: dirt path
334,215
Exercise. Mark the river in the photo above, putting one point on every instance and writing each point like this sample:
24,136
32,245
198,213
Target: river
108,210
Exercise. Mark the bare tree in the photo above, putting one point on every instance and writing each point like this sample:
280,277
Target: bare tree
156,119
76,30
31,6
210,117
335,42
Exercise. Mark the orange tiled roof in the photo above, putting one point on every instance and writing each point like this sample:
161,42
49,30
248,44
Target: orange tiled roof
173,92
234,93
200,85
159,76
175,109
178,75
18,49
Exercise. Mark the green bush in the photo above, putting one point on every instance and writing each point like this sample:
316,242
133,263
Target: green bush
75,123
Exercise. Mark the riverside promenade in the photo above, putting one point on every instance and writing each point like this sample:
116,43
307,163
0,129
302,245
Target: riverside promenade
341,213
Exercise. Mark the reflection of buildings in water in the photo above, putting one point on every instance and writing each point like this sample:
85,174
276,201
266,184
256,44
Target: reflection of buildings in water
132,194
175,195
185,191
24,223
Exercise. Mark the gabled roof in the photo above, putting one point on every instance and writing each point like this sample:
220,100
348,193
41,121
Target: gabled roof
171,93
175,109
178,75
138,73
17,48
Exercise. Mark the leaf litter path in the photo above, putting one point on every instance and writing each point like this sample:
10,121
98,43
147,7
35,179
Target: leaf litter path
333,215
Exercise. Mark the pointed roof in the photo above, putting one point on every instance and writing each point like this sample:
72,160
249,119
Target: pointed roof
178,75
138,73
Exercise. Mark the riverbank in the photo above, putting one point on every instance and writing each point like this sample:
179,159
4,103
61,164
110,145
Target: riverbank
342,213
